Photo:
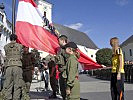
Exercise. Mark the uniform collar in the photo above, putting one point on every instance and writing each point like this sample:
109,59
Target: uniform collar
73,56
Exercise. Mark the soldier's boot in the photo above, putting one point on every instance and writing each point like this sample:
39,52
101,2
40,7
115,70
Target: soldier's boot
28,84
25,96
2,96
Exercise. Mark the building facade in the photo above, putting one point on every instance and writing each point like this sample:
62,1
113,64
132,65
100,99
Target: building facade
91,53
127,47
5,29
44,6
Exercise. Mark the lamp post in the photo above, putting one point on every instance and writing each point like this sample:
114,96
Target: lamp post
13,16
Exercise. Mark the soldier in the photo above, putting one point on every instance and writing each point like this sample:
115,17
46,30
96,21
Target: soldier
27,66
53,81
73,86
61,61
13,76
117,76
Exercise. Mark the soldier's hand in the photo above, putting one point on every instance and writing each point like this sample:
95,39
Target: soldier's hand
68,91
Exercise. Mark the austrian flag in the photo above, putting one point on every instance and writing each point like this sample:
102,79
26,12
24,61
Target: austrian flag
31,32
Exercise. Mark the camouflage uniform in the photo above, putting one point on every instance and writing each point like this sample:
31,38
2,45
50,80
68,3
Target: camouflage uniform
73,78
61,61
13,77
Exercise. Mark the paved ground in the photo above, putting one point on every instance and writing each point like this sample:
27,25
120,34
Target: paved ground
95,89
90,88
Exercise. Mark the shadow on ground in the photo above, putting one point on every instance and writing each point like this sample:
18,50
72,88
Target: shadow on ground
83,99
41,95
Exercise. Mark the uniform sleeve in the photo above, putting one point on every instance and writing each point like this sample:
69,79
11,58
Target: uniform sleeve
71,73
59,59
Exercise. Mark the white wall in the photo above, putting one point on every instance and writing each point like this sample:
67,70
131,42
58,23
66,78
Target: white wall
127,52
89,52
3,41
47,7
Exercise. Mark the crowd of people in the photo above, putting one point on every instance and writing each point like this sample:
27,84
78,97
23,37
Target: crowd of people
19,66
62,70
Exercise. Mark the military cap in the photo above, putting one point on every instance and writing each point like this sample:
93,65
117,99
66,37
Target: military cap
71,45
63,36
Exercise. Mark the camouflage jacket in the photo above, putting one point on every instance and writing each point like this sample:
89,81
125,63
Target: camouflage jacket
13,53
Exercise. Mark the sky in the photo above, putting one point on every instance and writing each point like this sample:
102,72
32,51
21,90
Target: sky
99,19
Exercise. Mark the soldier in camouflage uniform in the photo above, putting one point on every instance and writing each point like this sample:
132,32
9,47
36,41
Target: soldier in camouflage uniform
27,66
72,86
60,59
13,76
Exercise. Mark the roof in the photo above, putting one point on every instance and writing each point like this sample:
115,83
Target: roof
128,41
46,1
76,36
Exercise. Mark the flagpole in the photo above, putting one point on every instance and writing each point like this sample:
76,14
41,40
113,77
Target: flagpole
13,16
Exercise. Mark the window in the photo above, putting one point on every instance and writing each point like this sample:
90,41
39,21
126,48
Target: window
130,50
0,17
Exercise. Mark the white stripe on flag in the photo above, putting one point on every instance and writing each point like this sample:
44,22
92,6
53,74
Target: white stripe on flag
28,13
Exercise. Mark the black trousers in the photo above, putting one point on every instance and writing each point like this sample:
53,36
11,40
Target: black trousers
53,83
117,87
62,82
27,76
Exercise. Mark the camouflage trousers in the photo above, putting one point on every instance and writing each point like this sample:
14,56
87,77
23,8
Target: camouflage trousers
14,87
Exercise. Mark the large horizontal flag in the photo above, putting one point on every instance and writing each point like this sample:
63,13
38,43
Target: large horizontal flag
31,32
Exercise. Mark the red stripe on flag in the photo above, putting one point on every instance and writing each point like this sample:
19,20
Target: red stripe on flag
88,62
36,37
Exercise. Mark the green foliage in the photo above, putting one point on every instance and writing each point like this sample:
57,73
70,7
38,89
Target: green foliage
104,56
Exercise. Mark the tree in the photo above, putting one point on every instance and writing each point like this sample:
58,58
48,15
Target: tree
104,56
